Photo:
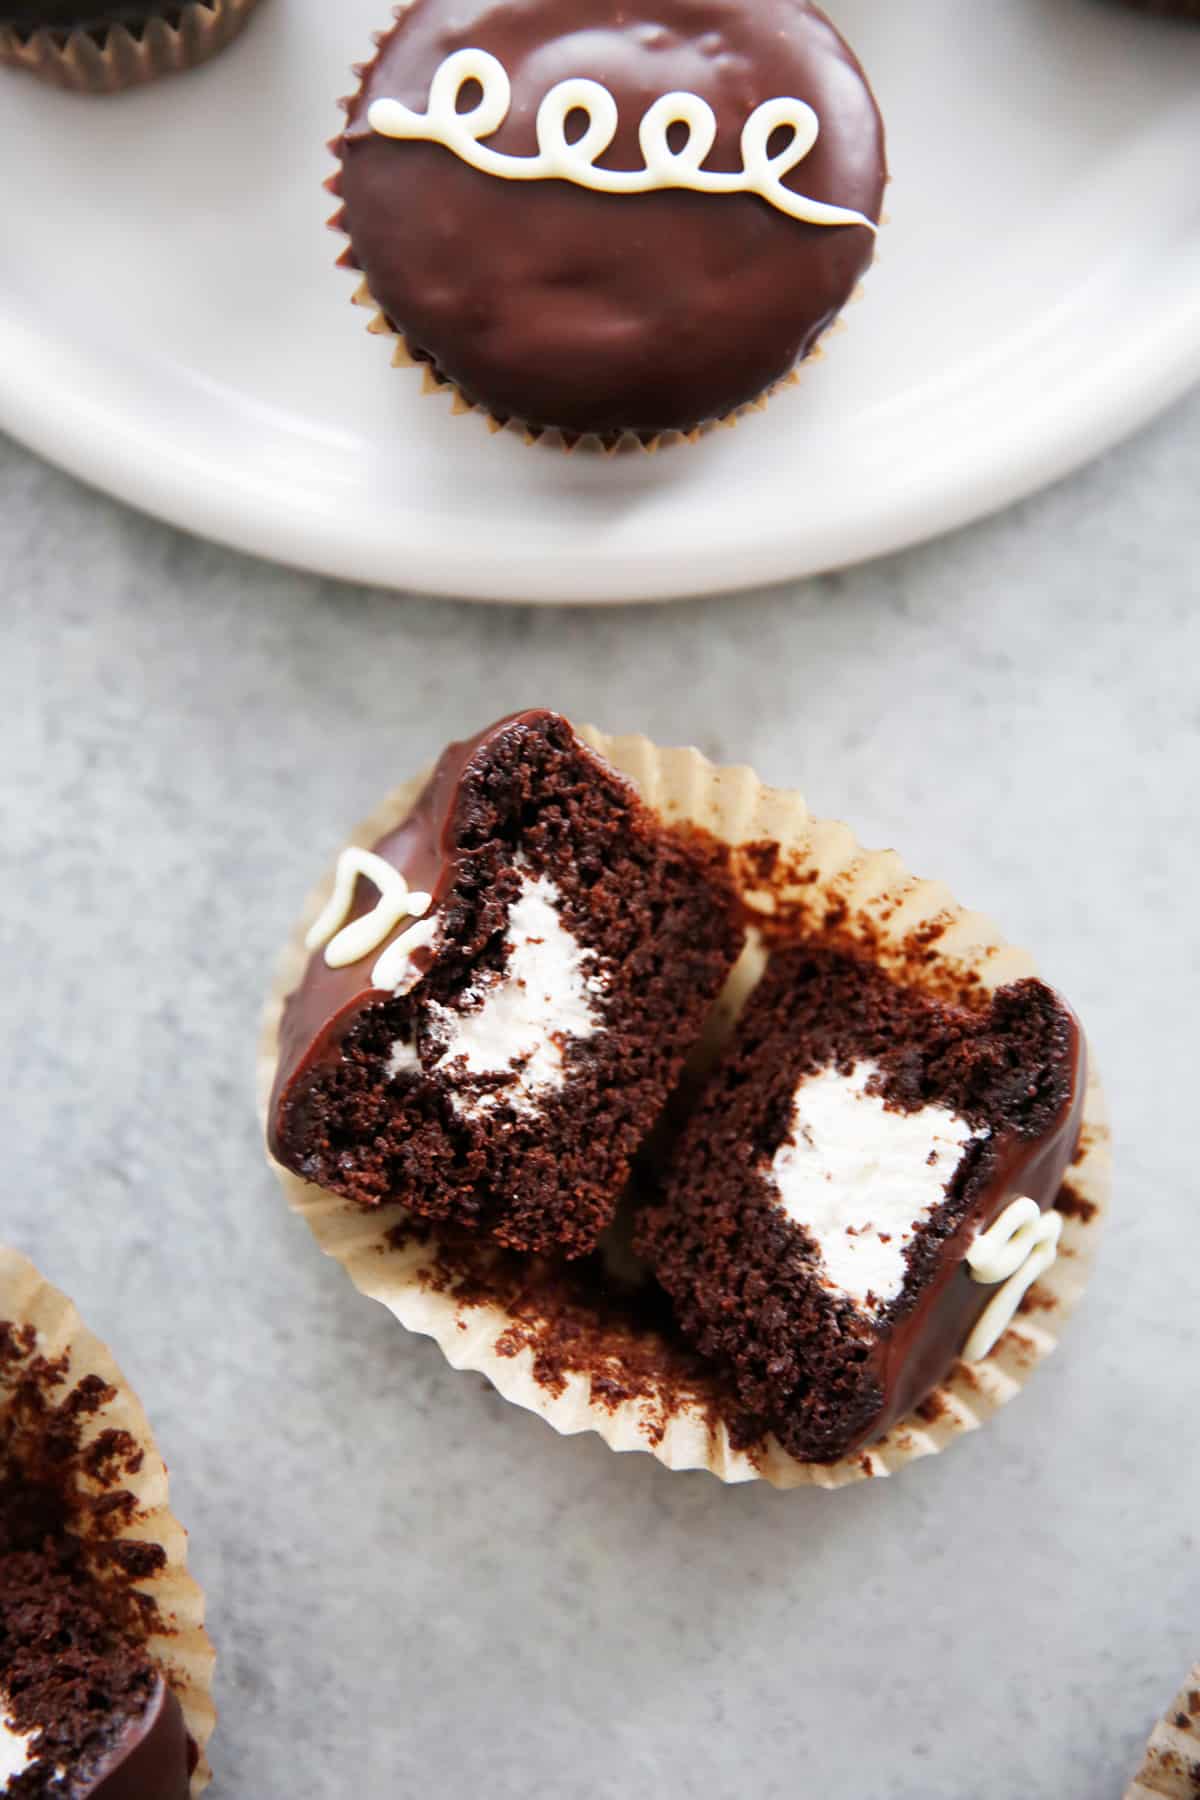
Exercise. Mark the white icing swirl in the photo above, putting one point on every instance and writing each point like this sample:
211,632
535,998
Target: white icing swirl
395,969
556,159
1018,1248
356,940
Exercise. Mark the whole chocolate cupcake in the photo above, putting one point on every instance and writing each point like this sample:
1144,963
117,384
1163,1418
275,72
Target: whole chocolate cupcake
609,223
99,49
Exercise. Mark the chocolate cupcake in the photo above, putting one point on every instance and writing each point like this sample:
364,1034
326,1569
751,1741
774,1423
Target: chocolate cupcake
942,1030
95,48
104,1663
501,995
610,224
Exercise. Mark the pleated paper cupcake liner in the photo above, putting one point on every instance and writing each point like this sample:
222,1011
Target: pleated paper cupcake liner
1171,1766
500,1315
178,1643
111,58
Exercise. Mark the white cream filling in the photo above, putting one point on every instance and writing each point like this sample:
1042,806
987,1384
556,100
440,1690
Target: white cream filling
403,1060
519,1022
16,1752
863,1179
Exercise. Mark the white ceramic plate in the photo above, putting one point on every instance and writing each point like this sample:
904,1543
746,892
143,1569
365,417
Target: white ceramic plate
173,329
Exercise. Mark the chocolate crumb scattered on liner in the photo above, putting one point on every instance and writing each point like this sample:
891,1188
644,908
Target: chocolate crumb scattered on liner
588,1350
56,1377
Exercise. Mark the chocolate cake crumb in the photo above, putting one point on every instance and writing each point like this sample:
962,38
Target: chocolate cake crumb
1072,1205
579,1318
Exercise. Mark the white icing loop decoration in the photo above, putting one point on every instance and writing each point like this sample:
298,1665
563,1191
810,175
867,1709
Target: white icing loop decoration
998,1252
1018,1248
556,159
356,940
395,969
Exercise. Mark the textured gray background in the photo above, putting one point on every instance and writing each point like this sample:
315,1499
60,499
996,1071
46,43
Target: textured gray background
416,1590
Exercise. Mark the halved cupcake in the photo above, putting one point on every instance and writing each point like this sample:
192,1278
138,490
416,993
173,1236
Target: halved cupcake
865,1192
502,993
360,1061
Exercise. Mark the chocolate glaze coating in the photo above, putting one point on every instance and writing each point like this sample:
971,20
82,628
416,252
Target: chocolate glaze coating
151,1760
557,306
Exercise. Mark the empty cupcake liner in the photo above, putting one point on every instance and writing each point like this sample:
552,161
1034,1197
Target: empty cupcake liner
1171,1766
820,880
110,58
179,1645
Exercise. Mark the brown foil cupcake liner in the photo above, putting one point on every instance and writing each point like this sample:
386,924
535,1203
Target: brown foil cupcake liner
508,1318
179,1643
114,57
1171,1766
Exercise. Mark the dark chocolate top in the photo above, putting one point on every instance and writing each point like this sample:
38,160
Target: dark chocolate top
555,305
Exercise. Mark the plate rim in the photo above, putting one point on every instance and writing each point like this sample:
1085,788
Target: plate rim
1143,354
132,464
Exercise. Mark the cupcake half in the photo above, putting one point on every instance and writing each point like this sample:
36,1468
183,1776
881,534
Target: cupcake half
501,994
866,1192
605,223
104,1663
911,1015
94,48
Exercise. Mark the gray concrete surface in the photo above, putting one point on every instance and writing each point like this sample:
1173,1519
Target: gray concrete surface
415,1589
